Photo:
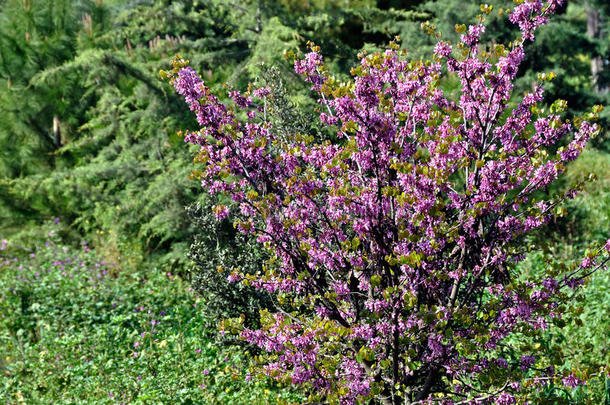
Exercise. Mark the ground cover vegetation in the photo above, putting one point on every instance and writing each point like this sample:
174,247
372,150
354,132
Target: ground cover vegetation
77,329
89,134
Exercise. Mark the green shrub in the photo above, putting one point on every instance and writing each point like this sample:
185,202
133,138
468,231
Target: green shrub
217,251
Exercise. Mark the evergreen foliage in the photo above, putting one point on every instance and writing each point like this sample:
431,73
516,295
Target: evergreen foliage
91,131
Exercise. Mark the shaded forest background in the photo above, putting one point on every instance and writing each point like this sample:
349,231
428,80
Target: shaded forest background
89,133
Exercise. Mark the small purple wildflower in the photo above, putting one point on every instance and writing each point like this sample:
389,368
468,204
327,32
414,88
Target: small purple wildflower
527,362
586,263
572,381
505,399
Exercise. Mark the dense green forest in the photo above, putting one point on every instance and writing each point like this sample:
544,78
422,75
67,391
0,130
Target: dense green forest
91,150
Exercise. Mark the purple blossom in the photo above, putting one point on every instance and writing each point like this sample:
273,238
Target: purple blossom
527,362
587,262
572,381
221,211
442,49
505,399
261,92
396,241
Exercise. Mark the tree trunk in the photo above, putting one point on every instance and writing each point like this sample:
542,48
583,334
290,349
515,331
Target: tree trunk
56,132
594,31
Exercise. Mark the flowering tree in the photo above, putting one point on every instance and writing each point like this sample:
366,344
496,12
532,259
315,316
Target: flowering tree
394,243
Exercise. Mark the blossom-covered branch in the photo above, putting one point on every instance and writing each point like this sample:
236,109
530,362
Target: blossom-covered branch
393,243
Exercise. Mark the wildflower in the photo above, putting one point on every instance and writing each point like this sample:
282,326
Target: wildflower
571,381
527,362
586,263
505,399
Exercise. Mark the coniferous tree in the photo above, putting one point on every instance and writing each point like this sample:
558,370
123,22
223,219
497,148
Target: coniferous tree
95,128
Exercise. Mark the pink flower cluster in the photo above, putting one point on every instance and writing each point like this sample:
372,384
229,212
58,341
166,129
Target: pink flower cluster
395,243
